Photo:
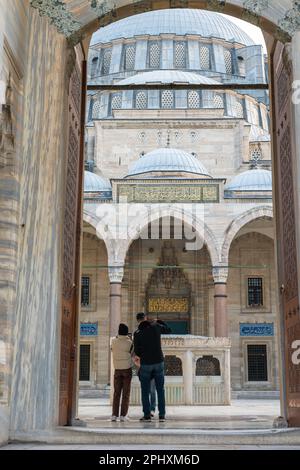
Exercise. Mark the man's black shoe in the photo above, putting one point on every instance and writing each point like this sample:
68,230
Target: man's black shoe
145,418
162,419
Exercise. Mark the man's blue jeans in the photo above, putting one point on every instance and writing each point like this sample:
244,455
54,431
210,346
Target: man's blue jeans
147,372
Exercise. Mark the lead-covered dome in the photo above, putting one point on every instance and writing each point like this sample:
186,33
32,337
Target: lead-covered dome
96,186
168,77
174,21
168,162
257,181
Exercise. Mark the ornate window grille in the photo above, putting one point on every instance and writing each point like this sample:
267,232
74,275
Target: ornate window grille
129,57
173,366
167,99
96,109
218,101
228,61
193,99
239,110
255,292
257,363
116,101
154,55
85,362
106,61
180,55
256,154
141,100
208,365
85,291
204,58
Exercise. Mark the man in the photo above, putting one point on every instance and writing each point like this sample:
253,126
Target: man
121,347
147,346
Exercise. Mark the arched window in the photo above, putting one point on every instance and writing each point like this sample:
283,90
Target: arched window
204,58
239,110
154,55
106,61
94,66
218,101
255,154
129,57
208,366
173,366
228,61
116,101
180,55
193,99
141,100
167,99
96,109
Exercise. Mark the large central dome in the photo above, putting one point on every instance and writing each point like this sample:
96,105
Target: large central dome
174,21
164,162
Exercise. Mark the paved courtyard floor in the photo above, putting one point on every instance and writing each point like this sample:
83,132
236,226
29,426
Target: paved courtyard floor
242,414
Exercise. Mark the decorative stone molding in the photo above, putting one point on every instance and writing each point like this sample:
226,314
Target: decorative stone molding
291,22
220,274
256,6
116,273
59,16
191,341
216,5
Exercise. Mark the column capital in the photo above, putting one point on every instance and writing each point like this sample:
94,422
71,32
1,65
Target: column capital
116,273
220,274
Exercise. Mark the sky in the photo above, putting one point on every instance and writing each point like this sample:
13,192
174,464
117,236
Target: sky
254,32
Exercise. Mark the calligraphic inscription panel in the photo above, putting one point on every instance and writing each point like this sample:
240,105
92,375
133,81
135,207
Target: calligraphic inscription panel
168,305
158,193
256,329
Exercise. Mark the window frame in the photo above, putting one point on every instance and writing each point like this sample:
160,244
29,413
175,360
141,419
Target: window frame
90,381
263,385
88,306
255,306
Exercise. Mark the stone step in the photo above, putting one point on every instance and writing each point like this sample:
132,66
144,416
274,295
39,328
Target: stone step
180,437
255,394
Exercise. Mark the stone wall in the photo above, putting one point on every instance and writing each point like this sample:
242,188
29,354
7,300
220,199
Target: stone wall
252,254
13,53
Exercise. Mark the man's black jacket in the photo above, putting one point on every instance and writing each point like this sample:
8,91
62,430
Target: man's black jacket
147,343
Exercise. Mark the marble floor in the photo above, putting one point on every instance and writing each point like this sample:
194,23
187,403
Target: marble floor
242,414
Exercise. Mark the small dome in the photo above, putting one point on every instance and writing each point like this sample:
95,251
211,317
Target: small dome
179,21
251,180
167,160
168,77
94,183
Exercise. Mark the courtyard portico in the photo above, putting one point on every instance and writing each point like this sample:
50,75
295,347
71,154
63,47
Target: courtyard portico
42,159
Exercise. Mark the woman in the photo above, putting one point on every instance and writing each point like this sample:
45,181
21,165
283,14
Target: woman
121,347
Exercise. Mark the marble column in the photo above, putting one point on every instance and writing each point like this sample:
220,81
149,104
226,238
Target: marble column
115,276
188,375
220,275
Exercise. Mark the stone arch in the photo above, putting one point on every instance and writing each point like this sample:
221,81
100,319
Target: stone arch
240,222
78,22
137,225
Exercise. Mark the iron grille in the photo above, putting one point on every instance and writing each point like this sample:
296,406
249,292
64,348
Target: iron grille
218,101
84,362
85,291
141,100
116,101
255,292
167,99
106,61
204,58
193,99
154,55
129,60
228,61
257,363
173,366
208,366
180,55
